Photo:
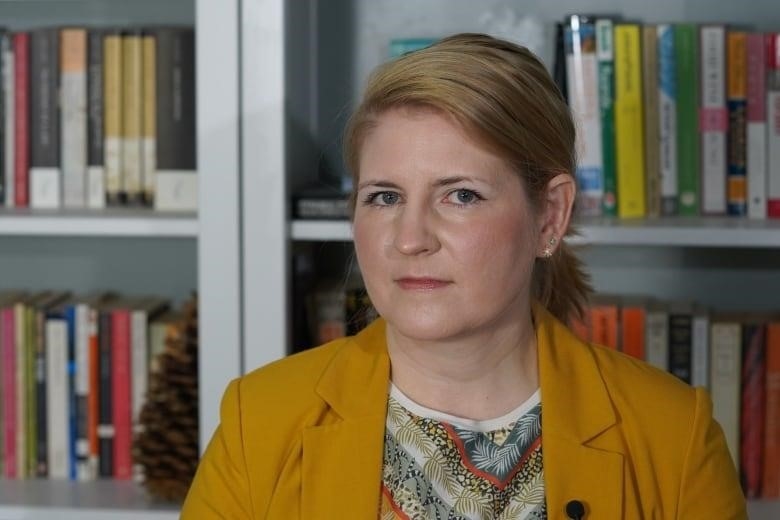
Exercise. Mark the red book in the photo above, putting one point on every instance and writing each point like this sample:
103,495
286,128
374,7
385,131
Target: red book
8,355
633,329
120,384
770,485
752,418
21,119
605,324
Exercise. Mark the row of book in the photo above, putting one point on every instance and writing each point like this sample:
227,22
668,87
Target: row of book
75,374
736,356
673,119
96,117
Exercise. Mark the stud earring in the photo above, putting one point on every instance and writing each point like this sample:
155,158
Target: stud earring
548,250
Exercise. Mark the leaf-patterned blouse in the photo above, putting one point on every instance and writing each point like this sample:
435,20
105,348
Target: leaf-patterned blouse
438,466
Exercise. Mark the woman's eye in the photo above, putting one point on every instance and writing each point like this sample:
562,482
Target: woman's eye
463,196
382,198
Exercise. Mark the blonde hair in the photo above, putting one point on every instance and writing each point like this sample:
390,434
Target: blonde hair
506,100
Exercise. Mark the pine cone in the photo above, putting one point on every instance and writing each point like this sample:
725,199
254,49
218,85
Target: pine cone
167,446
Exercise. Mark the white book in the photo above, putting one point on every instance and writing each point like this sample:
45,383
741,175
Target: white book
8,101
81,390
657,337
713,119
73,120
726,356
582,85
667,118
57,398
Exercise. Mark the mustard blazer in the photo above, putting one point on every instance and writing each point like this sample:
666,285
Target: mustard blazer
302,438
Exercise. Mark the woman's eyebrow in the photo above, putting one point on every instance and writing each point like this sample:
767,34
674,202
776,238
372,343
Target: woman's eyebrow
378,184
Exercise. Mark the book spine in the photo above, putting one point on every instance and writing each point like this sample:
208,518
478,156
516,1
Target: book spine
773,124
652,137
657,340
9,391
756,126
632,325
140,374
31,431
582,81
21,119
41,404
605,325
81,391
700,349
770,481
4,46
725,372
73,63
8,118
96,186
45,178
58,398
680,346
752,417
736,187
93,396
149,132
176,183
605,51
713,119
72,328
687,59
629,125
112,113
21,390
121,390
105,429
132,117
667,118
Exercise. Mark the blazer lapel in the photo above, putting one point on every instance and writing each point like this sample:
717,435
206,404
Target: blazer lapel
342,456
581,448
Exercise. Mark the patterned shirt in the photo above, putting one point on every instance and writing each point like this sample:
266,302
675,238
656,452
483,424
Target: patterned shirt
437,466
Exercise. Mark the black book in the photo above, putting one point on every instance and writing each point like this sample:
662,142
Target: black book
45,181
105,399
95,109
681,344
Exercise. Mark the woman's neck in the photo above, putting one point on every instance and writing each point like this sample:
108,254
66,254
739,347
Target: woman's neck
479,377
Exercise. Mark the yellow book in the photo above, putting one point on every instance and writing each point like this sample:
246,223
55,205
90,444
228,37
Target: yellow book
629,123
149,134
112,118
132,116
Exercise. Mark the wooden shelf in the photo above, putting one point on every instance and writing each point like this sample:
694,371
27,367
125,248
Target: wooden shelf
65,500
99,223
665,232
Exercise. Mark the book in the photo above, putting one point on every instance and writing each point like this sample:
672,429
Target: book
73,47
21,117
95,183
629,121
770,478
112,117
773,124
756,126
58,395
583,84
321,203
149,110
657,335
121,393
605,321
700,347
688,170
4,45
632,327
752,407
725,371
132,118
45,176
713,118
736,185
681,341
652,130
176,186
605,51
667,118
9,121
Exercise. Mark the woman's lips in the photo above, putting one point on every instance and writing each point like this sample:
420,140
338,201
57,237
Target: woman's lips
421,284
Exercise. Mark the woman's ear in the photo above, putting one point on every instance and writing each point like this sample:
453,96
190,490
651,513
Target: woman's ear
556,213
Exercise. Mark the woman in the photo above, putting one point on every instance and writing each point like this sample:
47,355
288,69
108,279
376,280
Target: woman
469,397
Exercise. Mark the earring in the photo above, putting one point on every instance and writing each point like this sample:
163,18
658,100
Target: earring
548,250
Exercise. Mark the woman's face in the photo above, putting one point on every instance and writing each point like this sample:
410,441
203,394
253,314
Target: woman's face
444,234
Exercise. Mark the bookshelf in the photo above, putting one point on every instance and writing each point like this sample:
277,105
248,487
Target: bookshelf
329,52
140,251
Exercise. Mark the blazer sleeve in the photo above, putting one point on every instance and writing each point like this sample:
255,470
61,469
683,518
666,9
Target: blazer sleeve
221,485
710,486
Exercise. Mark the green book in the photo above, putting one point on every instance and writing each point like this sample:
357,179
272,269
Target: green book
687,52
606,68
